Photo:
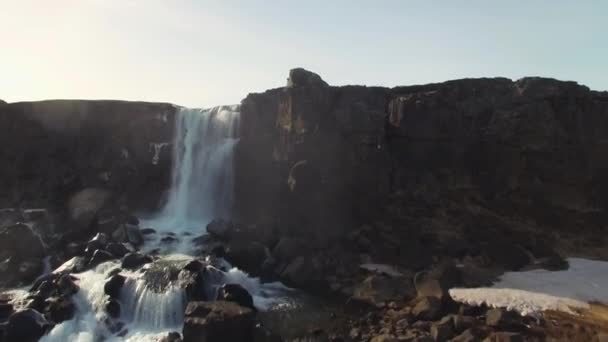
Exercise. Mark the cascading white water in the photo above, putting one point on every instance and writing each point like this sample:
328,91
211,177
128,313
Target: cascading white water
202,189
202,185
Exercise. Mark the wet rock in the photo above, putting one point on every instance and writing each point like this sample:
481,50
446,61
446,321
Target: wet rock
98,242
100,256
303,272
172,337
133,261
221,229
427,308
6,309
194,266
113,308
128,233
132,220
59,309
26,326
66,285
443,330
237,294
118,250
168,239
113,286
114,326
218,251
378,290
148,231
503,319
505,337
194,284
248,256
217,321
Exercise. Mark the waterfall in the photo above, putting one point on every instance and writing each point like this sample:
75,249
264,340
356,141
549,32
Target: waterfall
202,183
202,189
202,186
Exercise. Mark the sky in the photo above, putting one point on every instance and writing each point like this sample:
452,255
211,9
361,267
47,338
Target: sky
202,53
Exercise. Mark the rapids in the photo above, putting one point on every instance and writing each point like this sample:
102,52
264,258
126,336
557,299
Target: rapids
202,189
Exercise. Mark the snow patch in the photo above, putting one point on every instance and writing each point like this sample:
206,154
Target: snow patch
532,292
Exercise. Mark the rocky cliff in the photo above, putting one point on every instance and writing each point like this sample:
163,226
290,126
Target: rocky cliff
480,155
51,149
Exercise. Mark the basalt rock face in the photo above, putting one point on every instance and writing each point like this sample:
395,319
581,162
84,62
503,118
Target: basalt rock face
322,160
50,150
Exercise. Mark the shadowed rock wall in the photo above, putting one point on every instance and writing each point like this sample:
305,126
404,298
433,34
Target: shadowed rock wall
323,159
51,149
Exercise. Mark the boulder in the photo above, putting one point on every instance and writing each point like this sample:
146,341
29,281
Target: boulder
427,308
26,326
100,256
443,330
194,284
503,319
300,77
127,233
59,309
217,321
117,249
113,308
221,229
304,272
248,256
378,290
6,309
66,285
439,280
113,286
237,294
133,261
173,336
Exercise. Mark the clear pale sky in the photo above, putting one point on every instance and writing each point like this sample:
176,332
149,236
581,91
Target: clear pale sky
204,53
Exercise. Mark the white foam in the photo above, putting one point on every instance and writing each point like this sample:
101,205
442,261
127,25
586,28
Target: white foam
534,291
265,295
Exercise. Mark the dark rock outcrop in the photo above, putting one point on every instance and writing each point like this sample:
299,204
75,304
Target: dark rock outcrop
26,325
237,294
474,167
217,321
135,260
53,149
